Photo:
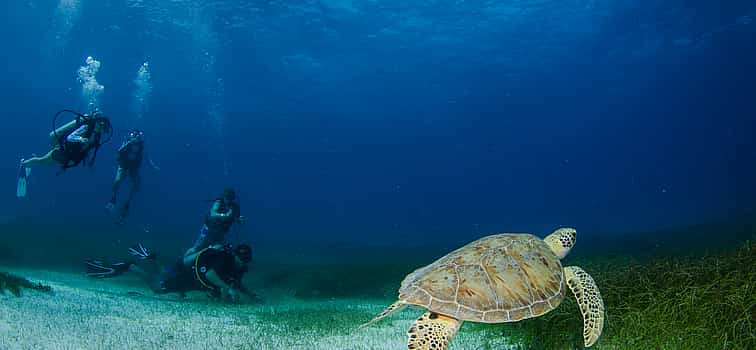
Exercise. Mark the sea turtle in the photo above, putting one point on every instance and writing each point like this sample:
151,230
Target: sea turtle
499,278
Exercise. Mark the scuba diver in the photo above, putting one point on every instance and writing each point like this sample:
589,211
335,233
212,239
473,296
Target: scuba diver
223,214
74,143
217,269
129,159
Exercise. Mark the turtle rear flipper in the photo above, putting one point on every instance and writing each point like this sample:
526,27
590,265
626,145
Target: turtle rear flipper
387,311
432,331
588,297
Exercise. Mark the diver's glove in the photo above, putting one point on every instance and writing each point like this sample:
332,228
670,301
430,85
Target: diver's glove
233,295
140,252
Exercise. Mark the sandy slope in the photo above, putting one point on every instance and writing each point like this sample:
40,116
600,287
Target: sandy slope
95,314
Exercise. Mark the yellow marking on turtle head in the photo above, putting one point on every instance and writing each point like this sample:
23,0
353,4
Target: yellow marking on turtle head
561,241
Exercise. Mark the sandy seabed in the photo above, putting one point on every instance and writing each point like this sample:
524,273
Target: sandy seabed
83,313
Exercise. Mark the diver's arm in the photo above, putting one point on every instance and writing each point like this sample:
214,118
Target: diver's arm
214,210
146,155
78,135
252,295
152,164
215,279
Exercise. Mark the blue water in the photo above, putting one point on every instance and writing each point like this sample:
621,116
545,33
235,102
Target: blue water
393,121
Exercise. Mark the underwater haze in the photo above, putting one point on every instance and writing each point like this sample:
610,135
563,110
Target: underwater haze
366,121
368,138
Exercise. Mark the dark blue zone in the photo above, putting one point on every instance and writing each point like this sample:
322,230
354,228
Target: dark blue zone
645,122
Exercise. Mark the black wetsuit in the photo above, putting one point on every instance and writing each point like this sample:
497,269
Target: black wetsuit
128,160
71,153
219,226
215,228
181,279
223,263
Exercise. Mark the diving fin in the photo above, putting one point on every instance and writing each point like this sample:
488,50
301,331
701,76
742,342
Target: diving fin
101,269
141,252
23,173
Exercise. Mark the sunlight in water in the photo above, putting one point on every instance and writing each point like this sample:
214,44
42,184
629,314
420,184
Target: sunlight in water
143,82
91,90
66,16
206,44
215,112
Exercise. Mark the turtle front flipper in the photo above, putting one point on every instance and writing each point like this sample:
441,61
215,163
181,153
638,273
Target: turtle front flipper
588,297
432,331
387,311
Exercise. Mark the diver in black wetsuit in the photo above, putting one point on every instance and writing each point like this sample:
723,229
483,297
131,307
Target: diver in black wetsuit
224,213
73,144
217,269
129,159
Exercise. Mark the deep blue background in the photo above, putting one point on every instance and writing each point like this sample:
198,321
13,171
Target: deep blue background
394,120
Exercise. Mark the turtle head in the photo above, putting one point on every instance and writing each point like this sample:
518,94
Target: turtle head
561,241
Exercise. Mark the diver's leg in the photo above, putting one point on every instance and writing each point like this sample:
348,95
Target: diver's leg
156,286
202,242
151,273
135,184
116,184
127,203
165,281
47,160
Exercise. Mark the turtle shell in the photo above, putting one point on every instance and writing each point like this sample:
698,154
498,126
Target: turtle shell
498,278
